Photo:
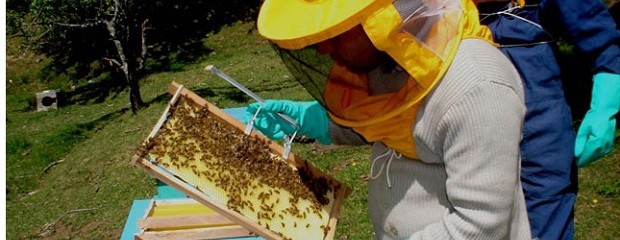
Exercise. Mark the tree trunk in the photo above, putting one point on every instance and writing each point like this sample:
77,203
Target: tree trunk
128,67
135,98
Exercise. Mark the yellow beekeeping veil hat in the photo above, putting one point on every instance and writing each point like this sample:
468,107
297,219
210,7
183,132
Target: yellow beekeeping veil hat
294,24
420,36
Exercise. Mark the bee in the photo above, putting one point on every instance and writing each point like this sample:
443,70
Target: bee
325,229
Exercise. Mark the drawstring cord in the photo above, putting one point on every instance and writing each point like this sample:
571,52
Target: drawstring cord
509,11
392,154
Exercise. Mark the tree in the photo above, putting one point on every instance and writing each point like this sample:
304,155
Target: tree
124,36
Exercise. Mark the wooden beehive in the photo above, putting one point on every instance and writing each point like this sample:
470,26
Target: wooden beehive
186,219
202,151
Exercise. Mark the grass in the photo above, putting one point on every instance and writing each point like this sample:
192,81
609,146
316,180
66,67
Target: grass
597,215
92,142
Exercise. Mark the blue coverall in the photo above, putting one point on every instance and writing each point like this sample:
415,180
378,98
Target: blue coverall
548,169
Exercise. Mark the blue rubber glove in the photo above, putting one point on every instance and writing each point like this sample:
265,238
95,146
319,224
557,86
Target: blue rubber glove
311,117
595,137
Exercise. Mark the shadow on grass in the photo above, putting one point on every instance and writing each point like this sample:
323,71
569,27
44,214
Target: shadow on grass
92,93
31,154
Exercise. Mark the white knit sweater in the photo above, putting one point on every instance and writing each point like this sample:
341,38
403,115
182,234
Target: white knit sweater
466,183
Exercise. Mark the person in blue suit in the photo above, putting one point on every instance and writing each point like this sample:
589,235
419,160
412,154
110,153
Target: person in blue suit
551,151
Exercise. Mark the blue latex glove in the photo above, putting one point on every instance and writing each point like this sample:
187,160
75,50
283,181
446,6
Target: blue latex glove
595,137
311,117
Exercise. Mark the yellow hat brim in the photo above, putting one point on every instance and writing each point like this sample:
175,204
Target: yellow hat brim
295,24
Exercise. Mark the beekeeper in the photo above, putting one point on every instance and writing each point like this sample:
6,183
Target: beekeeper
422,82
528,36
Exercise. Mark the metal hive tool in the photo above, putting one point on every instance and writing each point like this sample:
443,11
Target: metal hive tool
288,140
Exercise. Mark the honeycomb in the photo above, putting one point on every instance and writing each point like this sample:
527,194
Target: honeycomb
241,172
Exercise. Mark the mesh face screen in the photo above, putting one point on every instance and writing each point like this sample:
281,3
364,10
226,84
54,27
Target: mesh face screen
241,173
309,68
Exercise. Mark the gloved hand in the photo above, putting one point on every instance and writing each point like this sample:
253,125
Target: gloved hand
311,117
596,134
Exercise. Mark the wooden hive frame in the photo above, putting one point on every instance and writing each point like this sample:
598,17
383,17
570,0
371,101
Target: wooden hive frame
340,191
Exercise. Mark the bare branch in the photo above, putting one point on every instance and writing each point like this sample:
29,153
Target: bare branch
144,47
119,48
41,35
113,62
52,164
80,25
117,6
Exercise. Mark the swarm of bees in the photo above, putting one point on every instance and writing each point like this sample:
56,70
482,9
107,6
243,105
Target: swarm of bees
242,172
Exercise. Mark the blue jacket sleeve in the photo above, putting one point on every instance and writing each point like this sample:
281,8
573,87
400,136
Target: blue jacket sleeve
589,25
